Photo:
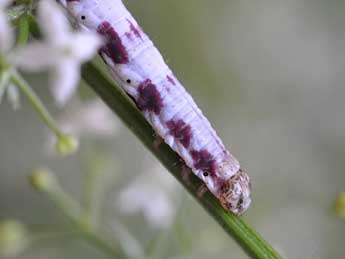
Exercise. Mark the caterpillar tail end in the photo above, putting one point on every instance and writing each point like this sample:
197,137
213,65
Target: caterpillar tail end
235,193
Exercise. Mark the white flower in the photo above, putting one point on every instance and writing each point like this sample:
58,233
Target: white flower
93,118
62,51
6,36
150,194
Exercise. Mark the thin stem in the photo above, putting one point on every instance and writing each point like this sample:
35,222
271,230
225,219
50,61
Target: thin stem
93,193
23,30
18,80
98,242
68,206
254,245
48,232
89,236
95,186
130,245
5,76
73,212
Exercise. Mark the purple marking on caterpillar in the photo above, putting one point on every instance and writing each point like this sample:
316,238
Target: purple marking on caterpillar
128,35
138,67
134,29
149,98
114,47
204,161
181,131
171,80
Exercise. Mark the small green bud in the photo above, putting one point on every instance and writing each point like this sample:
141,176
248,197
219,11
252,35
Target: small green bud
13,238
66,145
340,205
42,179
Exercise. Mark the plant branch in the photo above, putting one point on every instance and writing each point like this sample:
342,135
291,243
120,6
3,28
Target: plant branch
251,242
36,102
94,189
254,245
23,30
45,182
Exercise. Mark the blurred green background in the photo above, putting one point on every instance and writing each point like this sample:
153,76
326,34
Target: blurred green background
270,77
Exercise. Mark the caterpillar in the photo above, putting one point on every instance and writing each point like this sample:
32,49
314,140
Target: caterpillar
138,67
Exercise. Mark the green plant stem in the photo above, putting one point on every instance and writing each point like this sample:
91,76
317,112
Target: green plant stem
98,242
89,236
73,212
254,245
95,186
251,242
23,30
5,76
68,206
36,102
37,235
93,196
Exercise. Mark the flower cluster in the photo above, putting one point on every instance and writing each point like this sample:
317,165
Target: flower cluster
61,50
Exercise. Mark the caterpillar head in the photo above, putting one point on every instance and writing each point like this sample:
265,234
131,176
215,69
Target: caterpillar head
235,193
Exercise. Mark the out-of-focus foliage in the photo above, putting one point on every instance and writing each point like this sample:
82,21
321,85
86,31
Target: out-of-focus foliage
268,74
340,205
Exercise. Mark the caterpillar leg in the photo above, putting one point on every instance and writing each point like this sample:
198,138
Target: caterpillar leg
157,142
186,172
201,191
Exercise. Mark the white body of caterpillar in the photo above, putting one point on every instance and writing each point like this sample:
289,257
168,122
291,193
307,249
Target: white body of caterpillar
138,67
